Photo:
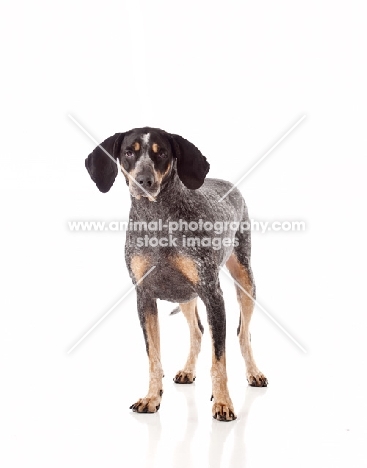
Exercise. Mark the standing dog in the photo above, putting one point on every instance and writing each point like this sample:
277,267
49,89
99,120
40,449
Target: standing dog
166,178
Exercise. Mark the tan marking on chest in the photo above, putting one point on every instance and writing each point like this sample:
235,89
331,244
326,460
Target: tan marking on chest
139,266
187,267
239,273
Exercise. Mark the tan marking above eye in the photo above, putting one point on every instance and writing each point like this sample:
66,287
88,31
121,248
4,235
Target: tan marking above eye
155,148
136,146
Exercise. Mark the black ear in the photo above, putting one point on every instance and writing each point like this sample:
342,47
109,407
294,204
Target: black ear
192,166
103,168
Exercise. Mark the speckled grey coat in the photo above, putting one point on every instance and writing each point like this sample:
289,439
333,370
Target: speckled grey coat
166,178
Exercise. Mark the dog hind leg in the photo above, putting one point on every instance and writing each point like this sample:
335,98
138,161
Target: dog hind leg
245,288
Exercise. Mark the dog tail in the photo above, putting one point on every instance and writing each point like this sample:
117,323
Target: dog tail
176,310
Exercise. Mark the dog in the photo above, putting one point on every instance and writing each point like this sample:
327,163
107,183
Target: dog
166,176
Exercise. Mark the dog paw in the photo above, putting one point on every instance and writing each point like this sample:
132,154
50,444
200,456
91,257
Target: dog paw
257,379
183,377
223,412
146,405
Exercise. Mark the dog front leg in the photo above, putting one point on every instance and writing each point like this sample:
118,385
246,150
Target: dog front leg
148,316
213,299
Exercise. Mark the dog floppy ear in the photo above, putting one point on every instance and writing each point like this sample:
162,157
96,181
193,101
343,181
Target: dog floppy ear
192,166
102,168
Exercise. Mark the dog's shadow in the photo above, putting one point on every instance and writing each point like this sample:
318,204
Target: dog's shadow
154,427
221,431
184,446
182,453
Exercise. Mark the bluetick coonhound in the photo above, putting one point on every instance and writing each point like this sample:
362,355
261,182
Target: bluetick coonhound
166,178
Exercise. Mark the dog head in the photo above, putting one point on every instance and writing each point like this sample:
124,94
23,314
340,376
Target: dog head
148,158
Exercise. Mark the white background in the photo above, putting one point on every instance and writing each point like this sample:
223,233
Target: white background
232,77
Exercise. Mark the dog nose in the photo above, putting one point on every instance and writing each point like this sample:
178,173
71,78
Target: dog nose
145,180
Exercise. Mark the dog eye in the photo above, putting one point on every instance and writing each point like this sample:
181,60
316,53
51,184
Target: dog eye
162,154
129,154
